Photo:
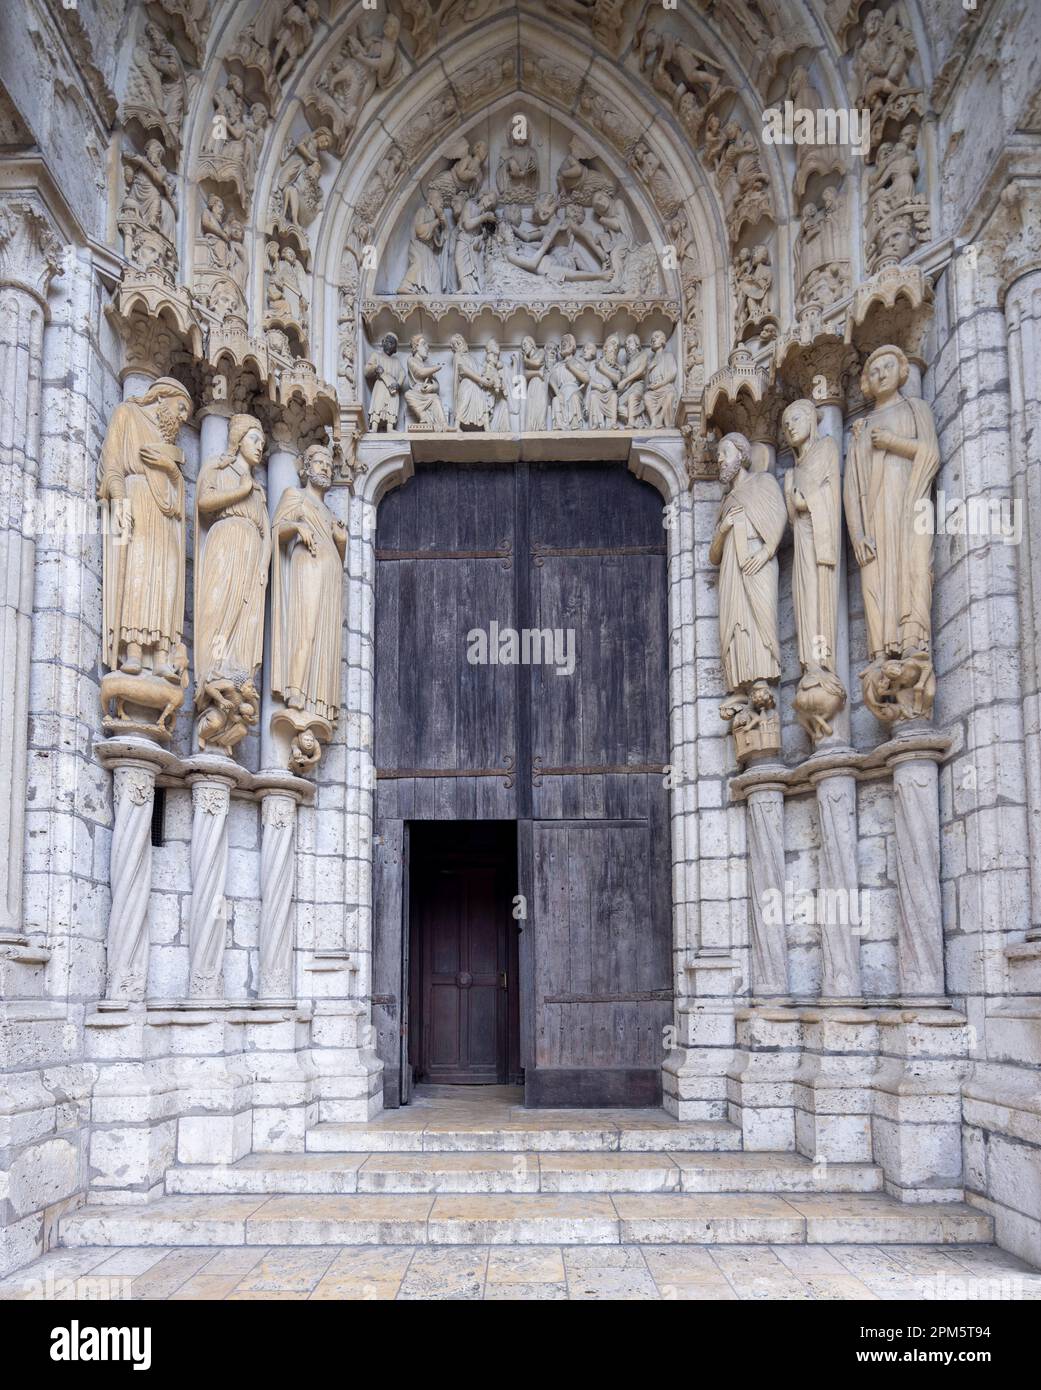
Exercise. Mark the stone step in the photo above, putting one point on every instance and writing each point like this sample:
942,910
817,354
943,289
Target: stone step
537,1218
462,1173
552,1132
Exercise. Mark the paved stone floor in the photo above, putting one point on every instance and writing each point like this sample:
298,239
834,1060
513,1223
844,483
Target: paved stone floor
918,1272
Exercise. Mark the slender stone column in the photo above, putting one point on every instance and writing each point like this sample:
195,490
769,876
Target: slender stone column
135,763
839,913
766,877
279,798
1023,326
917,839
29,258
281,473
213,431
211,778
831,427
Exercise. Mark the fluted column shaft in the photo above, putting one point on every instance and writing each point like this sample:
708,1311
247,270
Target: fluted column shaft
131,877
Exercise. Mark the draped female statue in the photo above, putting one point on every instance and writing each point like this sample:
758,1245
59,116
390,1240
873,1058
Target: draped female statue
748,531
308,548
233,536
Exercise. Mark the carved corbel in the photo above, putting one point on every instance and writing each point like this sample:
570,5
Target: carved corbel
894,306
699,454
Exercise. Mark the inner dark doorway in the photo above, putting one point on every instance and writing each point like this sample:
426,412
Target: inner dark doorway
463,1012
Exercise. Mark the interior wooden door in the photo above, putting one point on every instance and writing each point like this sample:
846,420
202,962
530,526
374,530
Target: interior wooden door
461,935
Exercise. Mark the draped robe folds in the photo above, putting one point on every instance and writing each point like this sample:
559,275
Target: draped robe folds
230,580
144,573
814,482
500,416
383,405
536,402
748,602
306,607
473,405
423,272
882,492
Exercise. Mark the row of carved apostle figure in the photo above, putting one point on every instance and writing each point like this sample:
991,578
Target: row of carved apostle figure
560,386
892,461
141,483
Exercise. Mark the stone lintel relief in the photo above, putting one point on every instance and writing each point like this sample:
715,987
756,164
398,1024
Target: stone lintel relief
629,381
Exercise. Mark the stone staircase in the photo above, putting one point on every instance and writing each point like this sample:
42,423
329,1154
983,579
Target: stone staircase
461,1172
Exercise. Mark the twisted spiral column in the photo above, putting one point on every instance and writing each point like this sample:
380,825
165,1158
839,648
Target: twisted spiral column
277,886
131,880
211,798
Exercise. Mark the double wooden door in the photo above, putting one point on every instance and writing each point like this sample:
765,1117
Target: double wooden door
571,748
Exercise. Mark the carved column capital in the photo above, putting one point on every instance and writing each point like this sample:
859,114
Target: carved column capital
30,247
816,365
699,454
1010,243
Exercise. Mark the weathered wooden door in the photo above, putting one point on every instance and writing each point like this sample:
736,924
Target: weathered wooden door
596,863
446,730
571,747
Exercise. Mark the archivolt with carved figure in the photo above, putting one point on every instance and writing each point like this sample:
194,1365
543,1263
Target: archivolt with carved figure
393,344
